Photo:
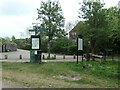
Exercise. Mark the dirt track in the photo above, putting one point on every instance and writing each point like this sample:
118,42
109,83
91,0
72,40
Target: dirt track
9,84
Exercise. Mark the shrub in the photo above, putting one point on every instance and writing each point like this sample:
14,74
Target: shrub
60,46
72,49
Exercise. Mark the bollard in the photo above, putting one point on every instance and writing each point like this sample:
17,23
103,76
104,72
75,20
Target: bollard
55,56
74,56
43,56
6,56
20,56
63,56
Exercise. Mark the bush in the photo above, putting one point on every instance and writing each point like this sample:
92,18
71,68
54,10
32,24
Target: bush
57,48
44,45
63,46
50,58
60,46
23,44
72,49
26,47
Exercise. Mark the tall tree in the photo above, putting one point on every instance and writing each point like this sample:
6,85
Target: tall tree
94,17
113,26
13,39
52,20
118,44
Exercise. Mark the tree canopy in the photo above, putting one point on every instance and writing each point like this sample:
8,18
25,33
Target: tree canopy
99,26
52,20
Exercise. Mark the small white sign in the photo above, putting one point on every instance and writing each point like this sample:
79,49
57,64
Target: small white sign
35,52
32,33
80,44
35,43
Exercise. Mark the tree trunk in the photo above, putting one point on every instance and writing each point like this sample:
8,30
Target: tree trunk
104,56
92,44
87,54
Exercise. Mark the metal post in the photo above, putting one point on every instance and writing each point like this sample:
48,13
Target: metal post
77,50
79,46
39,56
82,56
118,55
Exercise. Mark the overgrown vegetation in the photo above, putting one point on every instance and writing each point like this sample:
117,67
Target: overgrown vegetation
66,75
100,27
23,44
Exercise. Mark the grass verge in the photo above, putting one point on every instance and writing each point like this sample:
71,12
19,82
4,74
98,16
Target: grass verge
90,74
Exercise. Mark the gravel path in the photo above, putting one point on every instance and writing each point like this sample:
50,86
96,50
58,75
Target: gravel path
9,84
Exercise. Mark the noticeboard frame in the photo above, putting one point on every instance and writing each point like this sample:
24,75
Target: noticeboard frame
35,42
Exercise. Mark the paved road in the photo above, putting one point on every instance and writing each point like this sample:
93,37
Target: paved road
14,57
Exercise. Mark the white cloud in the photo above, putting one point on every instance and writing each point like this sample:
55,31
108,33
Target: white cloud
70,9
109,3
10,25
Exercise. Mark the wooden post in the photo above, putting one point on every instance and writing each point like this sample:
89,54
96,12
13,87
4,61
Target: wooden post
63,56
6,56
55,56
43,56
20,57
74,56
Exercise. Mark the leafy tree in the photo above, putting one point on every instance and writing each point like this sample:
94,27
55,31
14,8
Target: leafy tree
7,39
93,14
13,39
23,43
118,28
62,46
113,27
94,26
2,40
52,20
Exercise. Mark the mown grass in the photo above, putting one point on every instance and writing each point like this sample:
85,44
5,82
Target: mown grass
68,74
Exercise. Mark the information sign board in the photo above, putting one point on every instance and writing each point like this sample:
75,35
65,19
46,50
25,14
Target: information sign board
80,44
35,40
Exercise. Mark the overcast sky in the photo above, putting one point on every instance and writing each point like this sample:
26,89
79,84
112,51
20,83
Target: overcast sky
16,16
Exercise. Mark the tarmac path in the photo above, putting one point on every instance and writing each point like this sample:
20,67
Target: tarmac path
15,57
